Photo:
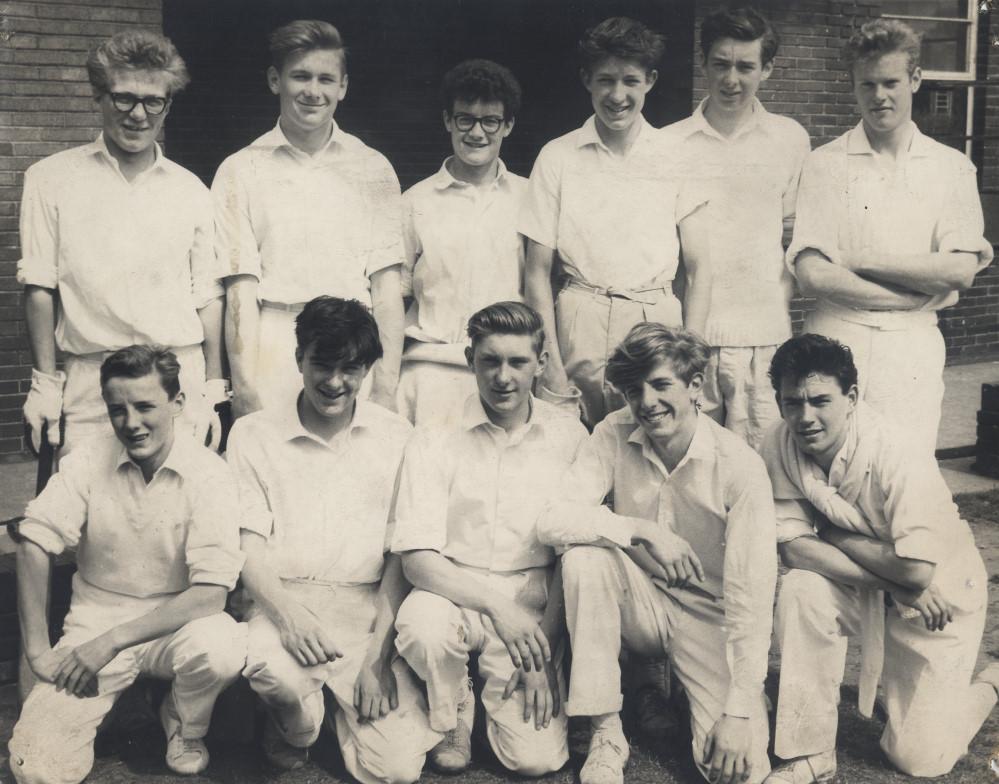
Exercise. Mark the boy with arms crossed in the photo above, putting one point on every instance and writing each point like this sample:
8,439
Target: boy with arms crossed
316,477
468,503
152,515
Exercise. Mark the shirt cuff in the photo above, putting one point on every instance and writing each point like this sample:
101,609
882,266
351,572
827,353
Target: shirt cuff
417,540
30,273
225,571
261,524
969,244
42,535
790,529
920,545
739,702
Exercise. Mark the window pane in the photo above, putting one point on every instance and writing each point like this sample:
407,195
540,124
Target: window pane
945,45
938,8
941,111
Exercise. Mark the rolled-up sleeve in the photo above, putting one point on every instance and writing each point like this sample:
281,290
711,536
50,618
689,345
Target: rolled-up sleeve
212,548
236,246
254,513
382,198
412,247
794,514
819,209
577,515
962,226
918,505
55,519
421,507
750,580
206,286
39,263
539,213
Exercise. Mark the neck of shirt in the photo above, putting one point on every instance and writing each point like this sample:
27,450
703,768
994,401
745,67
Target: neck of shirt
619,142
473,175
131,165
725,123
892,144
673,451
311,142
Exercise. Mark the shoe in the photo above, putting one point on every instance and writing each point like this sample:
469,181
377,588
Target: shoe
813,769
606,759
454,753
186,756
279,752
653,712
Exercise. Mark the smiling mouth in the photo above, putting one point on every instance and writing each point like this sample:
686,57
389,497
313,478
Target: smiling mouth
656,417
331,396
138,440
810,433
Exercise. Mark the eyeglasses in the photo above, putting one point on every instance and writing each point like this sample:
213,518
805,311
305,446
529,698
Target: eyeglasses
126,102
465,122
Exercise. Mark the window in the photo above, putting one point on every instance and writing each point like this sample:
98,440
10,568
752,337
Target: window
949,29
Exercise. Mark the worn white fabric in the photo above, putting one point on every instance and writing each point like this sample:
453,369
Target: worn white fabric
323,507
53,740
306,225
737,392
433,393
132,261
463,252
389,750
436,637
718,499
752,179
610,601
612,219
136,539
473,492
86,413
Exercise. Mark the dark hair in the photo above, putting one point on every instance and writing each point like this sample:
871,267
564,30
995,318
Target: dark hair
138,50
481,80
507,318
340,329
743,23
622,38
304,35
650,342
880,37
810,353
141,360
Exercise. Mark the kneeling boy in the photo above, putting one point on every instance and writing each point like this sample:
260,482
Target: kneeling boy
152,516
316,478
468,504
862,516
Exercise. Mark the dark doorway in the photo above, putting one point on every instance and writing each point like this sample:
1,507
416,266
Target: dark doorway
398,51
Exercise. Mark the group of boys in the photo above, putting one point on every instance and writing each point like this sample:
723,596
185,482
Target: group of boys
377,560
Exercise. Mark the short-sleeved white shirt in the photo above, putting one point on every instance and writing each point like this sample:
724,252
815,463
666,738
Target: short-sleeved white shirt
751,178
135,538
322,506
132,261
306,225
612,219
463,252
849,202
473,492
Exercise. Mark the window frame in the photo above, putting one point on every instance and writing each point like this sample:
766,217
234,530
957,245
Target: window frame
971,43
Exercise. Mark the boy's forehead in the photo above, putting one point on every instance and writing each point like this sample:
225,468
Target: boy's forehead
147,387
737,50
612,65
479,106
506,344
811,383
317,60
143,82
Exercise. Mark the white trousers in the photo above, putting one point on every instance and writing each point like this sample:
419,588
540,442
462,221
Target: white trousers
610,601
738,393
390,750
84,408
433,393
591,325
436,637
53,740
926,677
900,370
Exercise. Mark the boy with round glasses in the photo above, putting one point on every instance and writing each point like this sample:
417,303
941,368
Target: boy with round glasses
117,248
460,235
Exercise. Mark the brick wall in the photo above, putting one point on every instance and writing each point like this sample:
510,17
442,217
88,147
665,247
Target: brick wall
45,107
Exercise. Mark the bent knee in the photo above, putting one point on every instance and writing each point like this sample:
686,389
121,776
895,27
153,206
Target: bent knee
923,757
427,623
32,764
217,646
585,562
530,753
805,596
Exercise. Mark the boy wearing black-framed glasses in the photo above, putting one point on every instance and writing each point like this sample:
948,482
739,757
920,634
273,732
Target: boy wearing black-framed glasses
122,238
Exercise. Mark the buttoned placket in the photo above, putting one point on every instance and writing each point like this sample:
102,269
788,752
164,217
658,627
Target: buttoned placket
503,442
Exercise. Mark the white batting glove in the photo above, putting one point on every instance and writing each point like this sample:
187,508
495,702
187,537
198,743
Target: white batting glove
43,406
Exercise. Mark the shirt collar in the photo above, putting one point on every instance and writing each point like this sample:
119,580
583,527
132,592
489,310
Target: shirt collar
857,143
286,419
276,139
474,414
443,179
702,445
180,460
99,148
699,123
589,134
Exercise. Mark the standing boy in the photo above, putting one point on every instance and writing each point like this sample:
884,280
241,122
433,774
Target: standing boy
469,499
606,201
463,251
749,161
306,209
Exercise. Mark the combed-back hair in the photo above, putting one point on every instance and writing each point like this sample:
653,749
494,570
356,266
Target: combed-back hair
650,342
742,23
137,50
507,318
805,354
141,360
304,35
880,37
622,38
341,330
481,80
